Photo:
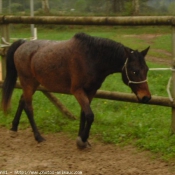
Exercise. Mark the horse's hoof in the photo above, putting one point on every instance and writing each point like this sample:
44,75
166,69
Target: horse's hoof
14,129
81,144
39,139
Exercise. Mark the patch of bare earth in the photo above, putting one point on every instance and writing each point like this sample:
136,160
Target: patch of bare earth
59,155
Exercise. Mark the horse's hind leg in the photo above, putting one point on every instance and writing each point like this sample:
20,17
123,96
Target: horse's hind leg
29,111
27,106
29,86
16,119
28,92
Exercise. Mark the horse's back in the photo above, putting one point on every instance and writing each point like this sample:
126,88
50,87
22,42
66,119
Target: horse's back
24,54
50,63
51,66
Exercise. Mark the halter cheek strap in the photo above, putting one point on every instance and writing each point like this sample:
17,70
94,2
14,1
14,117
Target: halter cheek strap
130,81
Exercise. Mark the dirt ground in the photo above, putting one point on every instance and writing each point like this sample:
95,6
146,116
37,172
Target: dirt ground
21,154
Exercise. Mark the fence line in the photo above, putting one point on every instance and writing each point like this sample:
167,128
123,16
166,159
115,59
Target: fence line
133,21
119,96
129,20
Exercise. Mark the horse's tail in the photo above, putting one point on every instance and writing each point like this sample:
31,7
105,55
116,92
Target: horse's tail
11,75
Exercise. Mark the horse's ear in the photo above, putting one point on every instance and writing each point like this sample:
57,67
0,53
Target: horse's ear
144,52
127,51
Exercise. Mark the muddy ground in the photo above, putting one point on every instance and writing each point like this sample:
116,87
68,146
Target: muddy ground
21,154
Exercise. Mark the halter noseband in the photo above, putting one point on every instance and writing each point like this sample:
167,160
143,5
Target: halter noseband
129,81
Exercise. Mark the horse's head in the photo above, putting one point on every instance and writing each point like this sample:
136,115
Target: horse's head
134,74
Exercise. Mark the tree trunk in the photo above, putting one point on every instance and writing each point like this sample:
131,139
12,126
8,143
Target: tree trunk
9,9
0,6
114,6
45,6
117,5
135,7
108,6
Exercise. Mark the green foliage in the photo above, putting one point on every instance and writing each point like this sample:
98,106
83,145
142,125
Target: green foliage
80,5
91,7
171,8
128,8
16,7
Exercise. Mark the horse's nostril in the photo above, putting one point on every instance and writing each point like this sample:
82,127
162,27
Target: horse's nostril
145,99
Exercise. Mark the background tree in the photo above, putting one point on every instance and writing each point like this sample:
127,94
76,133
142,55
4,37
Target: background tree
0,6
80,5
117,5
45,6
90,7
135,7
171,8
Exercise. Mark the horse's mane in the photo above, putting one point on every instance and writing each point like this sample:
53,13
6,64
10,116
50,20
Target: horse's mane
100,47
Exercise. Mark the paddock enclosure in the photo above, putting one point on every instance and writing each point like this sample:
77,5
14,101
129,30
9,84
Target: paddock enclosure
105,21
55,154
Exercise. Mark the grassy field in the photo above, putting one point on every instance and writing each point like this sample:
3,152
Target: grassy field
145,126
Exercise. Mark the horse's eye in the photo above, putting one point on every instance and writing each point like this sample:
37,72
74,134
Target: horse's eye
135,72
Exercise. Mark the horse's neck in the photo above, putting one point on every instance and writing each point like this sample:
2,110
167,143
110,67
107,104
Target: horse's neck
116,64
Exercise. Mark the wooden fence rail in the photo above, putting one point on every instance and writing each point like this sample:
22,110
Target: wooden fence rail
144,20
119,96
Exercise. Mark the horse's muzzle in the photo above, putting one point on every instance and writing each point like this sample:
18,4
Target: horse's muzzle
145,99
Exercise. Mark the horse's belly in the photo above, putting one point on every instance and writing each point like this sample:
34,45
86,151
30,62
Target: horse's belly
56,88
55,84
52,74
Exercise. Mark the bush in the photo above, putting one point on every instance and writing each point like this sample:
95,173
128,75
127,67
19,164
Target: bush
171,8
16,7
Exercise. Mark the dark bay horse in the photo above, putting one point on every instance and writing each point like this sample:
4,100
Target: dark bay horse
77,66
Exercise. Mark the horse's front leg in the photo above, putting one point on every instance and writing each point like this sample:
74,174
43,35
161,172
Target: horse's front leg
82,140
86,120
84,130
82,122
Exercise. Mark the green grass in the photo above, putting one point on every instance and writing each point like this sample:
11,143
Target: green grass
145,126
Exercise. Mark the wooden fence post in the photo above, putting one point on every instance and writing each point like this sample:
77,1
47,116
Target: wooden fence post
173,78
6,35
